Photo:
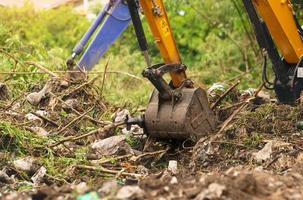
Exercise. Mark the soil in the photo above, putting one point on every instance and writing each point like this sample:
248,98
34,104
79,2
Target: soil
227,167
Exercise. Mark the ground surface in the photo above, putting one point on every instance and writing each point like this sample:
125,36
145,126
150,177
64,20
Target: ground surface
54,145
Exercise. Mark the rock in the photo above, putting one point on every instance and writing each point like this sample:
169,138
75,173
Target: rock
214,191
38,177
265,153
130,193
108,188
81,188
173,166
32,117
39,131
135,130
174,180
70,103
112,145
121,115
4,93
26,164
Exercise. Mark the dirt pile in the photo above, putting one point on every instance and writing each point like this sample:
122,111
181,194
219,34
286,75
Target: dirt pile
59,140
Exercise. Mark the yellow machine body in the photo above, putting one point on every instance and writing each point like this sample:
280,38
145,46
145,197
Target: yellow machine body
279,19
157,19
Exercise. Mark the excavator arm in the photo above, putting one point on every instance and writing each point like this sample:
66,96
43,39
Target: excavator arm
176,110
280,36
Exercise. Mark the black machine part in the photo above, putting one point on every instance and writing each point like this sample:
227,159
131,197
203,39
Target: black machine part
286,84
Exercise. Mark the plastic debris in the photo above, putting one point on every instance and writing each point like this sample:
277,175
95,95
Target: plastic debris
89,196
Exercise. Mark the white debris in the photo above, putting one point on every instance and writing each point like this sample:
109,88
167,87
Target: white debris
108,187
81,188
214,191
130,192
135,130
216,88
70,103
38,177
25,164
39,131
173,166
265,153
121,115
174,180
42,113
35,97
112,145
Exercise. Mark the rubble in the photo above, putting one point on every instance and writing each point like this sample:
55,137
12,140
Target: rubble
130,193
112,145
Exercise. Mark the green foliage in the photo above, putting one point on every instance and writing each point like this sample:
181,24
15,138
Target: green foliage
214,38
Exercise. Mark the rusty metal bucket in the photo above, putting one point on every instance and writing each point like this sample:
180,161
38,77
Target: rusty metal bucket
175,113
190,117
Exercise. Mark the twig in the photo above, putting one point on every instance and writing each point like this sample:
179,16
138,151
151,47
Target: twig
80,86
42,68
74,138
224,95
136,158
45,119
78,113
104,77
102,169
227,122
74,121
115,158
70,72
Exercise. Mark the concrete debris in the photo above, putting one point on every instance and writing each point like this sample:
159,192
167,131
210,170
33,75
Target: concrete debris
39,131
135,130
130,193
26,164
38,177
70,103
174,180
108,188
214,191
112,145
173,166
265,153
81,188
120,116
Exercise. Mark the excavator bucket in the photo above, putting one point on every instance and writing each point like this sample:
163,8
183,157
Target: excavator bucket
175,113
189,117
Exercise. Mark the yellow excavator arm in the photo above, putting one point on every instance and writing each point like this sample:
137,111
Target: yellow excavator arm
279,18
157,19
279,34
